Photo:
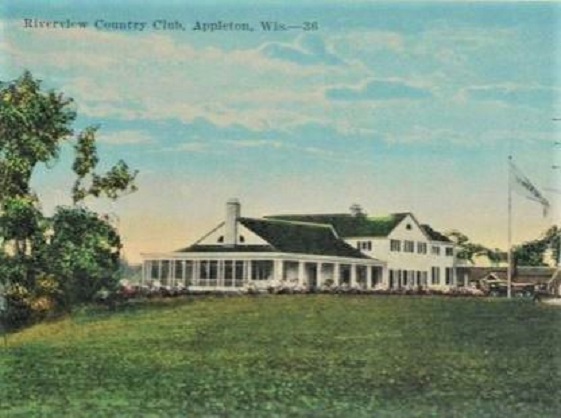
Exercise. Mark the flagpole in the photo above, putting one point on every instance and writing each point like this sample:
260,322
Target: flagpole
509,258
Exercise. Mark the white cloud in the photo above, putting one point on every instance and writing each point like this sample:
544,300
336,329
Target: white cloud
255,143
126,137
155,77
425,135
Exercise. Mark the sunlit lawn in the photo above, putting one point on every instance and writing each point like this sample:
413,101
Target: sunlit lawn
296,355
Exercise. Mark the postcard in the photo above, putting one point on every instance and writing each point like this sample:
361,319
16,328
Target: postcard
265,147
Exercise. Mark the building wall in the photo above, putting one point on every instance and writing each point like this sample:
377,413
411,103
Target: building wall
425,256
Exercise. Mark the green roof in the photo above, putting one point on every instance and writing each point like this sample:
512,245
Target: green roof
435,235
300,237
287,237
347,225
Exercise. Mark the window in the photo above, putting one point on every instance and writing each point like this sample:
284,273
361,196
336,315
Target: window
261,270
164,272
208,273
233,273
449,251
364,245
238,273
408,246
408,227
435,275
228,272
449,275
374,276
395,245
392,278
179,265
154,269
422,247
435,250
213,270
188,271
407,278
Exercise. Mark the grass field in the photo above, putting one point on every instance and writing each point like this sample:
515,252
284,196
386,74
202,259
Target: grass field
302,355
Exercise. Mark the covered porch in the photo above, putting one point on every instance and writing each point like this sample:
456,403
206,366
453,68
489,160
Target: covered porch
236,271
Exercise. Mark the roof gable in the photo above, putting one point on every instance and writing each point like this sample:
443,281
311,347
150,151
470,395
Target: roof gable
245,237
408,228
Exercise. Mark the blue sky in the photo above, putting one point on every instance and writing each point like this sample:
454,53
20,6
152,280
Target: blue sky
398,106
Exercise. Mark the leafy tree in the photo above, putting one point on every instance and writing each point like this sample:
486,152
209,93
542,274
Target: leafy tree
497,256
77,249
532,253
33,124
22,225
118,179
84,252
467,250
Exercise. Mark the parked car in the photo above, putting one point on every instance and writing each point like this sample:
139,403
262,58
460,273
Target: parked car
497,288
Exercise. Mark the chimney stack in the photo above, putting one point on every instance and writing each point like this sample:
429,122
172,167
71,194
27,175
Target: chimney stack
233,209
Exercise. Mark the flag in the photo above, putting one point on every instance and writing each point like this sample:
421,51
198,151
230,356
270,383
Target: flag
524,186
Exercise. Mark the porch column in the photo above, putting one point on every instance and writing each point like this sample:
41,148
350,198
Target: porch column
279,270
336,274
172,280
248,270
369,277
301,273
353,275
143,281
220,273
319,277
196,272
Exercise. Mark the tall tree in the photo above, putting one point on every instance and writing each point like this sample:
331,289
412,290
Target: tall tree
78,247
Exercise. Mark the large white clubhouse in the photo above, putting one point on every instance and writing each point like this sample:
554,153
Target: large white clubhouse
309,251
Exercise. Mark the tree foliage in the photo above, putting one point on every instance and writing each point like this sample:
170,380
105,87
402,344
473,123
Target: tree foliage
531,253
468,250
33,124
76,251
84,252
88,183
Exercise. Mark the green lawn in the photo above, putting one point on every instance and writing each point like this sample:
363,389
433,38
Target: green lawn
346,356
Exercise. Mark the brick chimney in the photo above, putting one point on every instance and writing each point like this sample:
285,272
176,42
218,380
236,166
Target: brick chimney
233,209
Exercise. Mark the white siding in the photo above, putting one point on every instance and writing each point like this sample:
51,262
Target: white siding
408,230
